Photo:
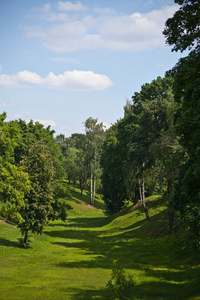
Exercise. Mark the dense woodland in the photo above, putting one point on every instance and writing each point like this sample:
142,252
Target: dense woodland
153,150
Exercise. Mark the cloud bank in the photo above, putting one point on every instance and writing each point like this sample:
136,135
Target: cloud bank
70,27
69,80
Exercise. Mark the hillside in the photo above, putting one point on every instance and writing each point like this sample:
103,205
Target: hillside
74,260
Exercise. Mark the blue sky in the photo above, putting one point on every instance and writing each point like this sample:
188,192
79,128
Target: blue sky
62,62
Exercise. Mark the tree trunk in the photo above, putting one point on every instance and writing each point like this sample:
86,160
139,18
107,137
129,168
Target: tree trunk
26,239
170,209
140,191
94,190
146,211
81,186
91,189
142,196
6,218
136,198
171,219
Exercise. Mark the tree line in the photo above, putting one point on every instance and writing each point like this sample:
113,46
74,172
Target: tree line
155,147
36,167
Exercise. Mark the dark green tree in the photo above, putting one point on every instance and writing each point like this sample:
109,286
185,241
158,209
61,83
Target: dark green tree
112,161
33,132
14,182
36,214
182,31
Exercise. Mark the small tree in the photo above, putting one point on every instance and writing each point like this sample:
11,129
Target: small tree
120,286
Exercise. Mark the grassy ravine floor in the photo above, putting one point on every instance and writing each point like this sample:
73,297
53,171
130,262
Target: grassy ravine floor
73,260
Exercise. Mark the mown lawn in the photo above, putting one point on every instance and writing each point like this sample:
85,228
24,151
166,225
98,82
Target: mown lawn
74,260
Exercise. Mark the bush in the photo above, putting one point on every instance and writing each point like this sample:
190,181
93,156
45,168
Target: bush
120,286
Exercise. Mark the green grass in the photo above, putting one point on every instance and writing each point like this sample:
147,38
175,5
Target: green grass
73,260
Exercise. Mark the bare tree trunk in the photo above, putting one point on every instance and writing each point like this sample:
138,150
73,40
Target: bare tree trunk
170,209
94,190
140,191
142,196
91,189
81,186
136,198
171,219
6,218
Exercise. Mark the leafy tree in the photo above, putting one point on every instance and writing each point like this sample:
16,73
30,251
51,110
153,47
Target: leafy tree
183,29
128,161
112,160
187,94
33,132
36,213
59,204
15,185
94,140
14,182
71,164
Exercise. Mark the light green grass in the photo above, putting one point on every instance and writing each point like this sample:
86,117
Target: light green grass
73,260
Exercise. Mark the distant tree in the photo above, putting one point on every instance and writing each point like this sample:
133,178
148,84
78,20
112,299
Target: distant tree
95,135
62,142
33,132
71,165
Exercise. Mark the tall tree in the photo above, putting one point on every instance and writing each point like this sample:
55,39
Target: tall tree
94,140
183,32
36,213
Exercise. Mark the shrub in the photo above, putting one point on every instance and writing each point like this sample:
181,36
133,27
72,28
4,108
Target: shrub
120,286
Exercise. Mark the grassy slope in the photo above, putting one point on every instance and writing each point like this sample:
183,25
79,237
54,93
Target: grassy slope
73,260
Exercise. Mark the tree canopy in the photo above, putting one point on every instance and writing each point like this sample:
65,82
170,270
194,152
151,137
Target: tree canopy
182,31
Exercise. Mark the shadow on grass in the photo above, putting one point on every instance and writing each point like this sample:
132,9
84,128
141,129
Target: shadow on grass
7,243
88,294
99,204
163,274
148,290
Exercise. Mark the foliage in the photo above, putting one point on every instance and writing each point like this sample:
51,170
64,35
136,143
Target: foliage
14,182
128,159
15,185
33,132
95,136
120,286
183,29
183,32
38,164
59,205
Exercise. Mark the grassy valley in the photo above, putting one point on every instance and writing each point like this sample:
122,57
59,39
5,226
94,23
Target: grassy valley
74,260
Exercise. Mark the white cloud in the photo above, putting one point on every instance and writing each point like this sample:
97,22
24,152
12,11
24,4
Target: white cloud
69,6
65,60
0,68
69,80
105,29
5,104
46,122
